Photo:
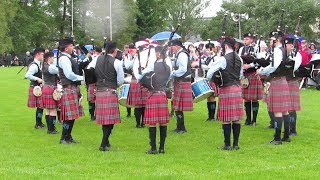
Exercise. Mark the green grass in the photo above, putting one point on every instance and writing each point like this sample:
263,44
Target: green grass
27,153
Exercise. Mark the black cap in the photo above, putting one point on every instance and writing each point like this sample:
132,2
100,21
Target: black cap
65,42
276,34
48,54
209,45
289,40
98,49
175,42
131,46
230,41
110,46
250,35
38,50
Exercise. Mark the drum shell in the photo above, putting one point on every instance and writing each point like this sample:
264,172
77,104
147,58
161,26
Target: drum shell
123,94
201,90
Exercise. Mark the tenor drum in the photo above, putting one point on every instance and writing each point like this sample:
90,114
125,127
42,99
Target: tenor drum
201,90
123,94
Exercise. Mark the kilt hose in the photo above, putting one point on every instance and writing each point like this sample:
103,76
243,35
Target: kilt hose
230,107
156,110
254,91
70,107
47,98
182,96
33,101
91,97
294,95
137,95
279,95
107,107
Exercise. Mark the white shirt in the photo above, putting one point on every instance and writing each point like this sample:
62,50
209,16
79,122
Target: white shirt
66,66
182,64
33,69
93,63
221,63
277,59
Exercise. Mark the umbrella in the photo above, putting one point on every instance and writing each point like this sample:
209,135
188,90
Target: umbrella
164,36
146,42
89,47
55,52
293,37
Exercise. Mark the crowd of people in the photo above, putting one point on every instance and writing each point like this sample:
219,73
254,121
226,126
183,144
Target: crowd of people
238,74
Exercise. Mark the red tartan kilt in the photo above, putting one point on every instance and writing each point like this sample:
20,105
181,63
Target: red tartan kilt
215,88
33,101
279,95
182,96
156,110
91,93
294,95
107,107
230,107
137,95
47,98
254,91
70,107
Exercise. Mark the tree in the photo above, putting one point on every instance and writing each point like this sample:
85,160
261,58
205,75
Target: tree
7,13
269,15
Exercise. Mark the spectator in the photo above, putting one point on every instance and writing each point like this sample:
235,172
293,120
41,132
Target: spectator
313,48
28,59
305,52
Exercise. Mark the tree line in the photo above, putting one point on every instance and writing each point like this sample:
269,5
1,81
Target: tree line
26,24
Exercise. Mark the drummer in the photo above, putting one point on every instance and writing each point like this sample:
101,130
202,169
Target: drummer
230,110
137,95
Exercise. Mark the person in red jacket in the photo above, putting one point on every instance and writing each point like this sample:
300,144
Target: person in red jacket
305,52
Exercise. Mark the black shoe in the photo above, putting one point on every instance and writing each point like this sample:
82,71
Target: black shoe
270,126
209,119
142,126
182,131
106,148
151,152
38,127
161,151
172,114
235,147
62,141
52,132
74,141
286,139
254,124
128,115
42,125
176,130
138,126
293,134
274,142
247,123
224,147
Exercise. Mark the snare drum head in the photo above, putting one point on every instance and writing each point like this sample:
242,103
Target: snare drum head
37,91
201,90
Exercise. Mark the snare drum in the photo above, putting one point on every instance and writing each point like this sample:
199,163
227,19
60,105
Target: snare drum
201,90
123,94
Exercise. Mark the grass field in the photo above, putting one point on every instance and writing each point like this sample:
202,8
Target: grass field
28,153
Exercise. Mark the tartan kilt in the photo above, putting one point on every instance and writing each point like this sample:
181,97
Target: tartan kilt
33,101
107,107
182,97
254,91
137,95
230,107
279,95
70,107
47,98
91,97
156,110
294,95
215,88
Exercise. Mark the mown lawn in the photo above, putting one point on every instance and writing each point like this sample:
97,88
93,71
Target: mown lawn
28,153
